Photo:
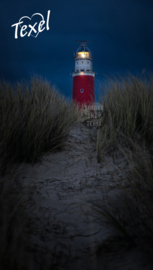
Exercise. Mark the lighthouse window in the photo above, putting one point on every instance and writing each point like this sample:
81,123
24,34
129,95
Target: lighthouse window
82,62
88,62
81,90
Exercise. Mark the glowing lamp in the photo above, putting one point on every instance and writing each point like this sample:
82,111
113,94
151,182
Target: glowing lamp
83,54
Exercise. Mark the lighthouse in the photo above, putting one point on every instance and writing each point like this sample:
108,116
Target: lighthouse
83,77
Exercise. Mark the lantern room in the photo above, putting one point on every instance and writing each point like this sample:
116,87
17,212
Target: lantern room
83,59
83,51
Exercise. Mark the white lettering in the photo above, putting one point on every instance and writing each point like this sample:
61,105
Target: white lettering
23,28
16,28
47,23
40,26
32,27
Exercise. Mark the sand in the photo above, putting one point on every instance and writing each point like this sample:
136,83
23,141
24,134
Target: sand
66,232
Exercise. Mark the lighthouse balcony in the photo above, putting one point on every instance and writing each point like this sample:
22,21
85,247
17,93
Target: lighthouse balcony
82,70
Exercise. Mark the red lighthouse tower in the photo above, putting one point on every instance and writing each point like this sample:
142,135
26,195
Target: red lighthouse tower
83,77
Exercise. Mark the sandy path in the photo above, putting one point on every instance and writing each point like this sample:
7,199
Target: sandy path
64,231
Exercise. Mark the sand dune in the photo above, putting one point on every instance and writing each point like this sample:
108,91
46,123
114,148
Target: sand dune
66,231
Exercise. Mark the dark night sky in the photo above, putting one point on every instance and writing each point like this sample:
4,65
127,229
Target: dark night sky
121,33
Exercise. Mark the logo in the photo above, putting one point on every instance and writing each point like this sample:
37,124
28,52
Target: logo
31,26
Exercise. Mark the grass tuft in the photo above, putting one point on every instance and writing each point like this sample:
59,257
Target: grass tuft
128,111
128,127
35,119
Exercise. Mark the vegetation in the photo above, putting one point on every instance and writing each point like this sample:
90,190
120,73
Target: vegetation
35,119
128,128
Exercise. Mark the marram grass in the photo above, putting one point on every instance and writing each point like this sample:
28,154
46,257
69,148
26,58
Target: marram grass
128,111
128,128
130,213
35,119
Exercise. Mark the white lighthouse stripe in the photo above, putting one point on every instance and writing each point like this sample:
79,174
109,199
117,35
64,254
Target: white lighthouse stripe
83,64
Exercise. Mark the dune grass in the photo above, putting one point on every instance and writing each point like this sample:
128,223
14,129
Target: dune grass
128,104
128,128
35,119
